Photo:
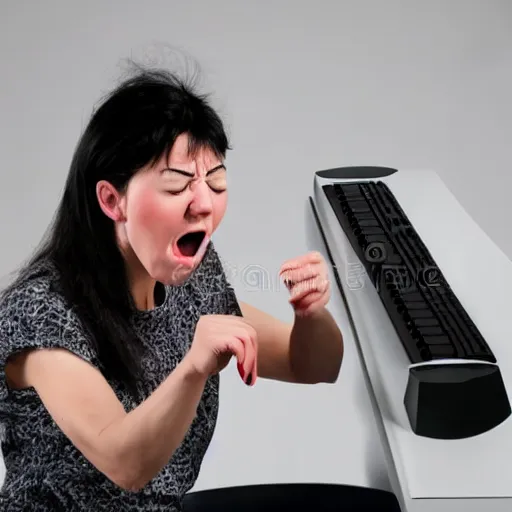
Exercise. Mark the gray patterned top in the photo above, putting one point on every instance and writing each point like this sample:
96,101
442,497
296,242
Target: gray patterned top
44,471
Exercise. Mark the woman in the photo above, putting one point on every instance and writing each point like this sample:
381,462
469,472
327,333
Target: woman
112,337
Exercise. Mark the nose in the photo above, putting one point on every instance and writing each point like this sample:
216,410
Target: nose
201,204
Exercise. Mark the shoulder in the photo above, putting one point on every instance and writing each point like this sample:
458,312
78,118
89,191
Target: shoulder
32,298
25,296
34,314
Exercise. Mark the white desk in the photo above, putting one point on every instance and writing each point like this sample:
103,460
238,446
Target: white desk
468,474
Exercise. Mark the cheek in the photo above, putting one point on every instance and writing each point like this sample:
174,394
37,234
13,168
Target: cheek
153,213
144,209
152,221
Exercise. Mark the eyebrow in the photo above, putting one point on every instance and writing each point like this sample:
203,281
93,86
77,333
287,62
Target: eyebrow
191,174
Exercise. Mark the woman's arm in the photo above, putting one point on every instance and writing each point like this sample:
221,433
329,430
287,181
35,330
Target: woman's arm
308,351
129,448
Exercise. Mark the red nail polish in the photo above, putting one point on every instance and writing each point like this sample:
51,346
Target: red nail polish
241,371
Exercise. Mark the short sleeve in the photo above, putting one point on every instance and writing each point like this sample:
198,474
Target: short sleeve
232,305
215,292
33,317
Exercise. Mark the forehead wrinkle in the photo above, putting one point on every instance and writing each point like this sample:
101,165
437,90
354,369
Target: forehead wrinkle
200,162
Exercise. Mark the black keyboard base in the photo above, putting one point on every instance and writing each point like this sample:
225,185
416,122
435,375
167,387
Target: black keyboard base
455,401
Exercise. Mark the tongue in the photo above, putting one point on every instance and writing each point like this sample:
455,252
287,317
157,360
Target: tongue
188,247
190,243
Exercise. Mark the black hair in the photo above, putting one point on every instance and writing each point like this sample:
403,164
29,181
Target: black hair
134,125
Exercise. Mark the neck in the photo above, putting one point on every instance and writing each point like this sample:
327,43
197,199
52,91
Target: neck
142,285
143,292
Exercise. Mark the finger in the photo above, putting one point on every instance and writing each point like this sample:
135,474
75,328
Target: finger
236,347
310,257
254,371
245,337
251,356
294,276
242,367
304,288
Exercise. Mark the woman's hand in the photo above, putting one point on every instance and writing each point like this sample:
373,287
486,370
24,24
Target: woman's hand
219,337
307,279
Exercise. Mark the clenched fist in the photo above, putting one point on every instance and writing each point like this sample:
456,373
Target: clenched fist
307,279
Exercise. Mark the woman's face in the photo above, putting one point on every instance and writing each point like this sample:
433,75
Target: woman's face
178,195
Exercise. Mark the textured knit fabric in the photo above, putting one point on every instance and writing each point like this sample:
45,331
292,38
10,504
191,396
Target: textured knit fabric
44,471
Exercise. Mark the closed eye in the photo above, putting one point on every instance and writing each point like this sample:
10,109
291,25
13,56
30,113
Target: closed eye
216,189
178,184
216,180
177,192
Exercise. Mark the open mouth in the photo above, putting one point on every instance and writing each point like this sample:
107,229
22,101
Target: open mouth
189,243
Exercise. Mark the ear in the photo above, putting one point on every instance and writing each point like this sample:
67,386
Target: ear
110,200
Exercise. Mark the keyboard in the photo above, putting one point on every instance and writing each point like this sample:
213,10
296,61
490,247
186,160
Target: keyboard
455,388
430,320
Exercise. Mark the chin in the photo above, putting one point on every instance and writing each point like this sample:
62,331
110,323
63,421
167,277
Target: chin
180,261
176,275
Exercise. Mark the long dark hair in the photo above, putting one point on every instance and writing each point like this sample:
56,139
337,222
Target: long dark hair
135,125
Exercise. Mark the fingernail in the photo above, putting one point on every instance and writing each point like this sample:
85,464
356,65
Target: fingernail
249,379
240,370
